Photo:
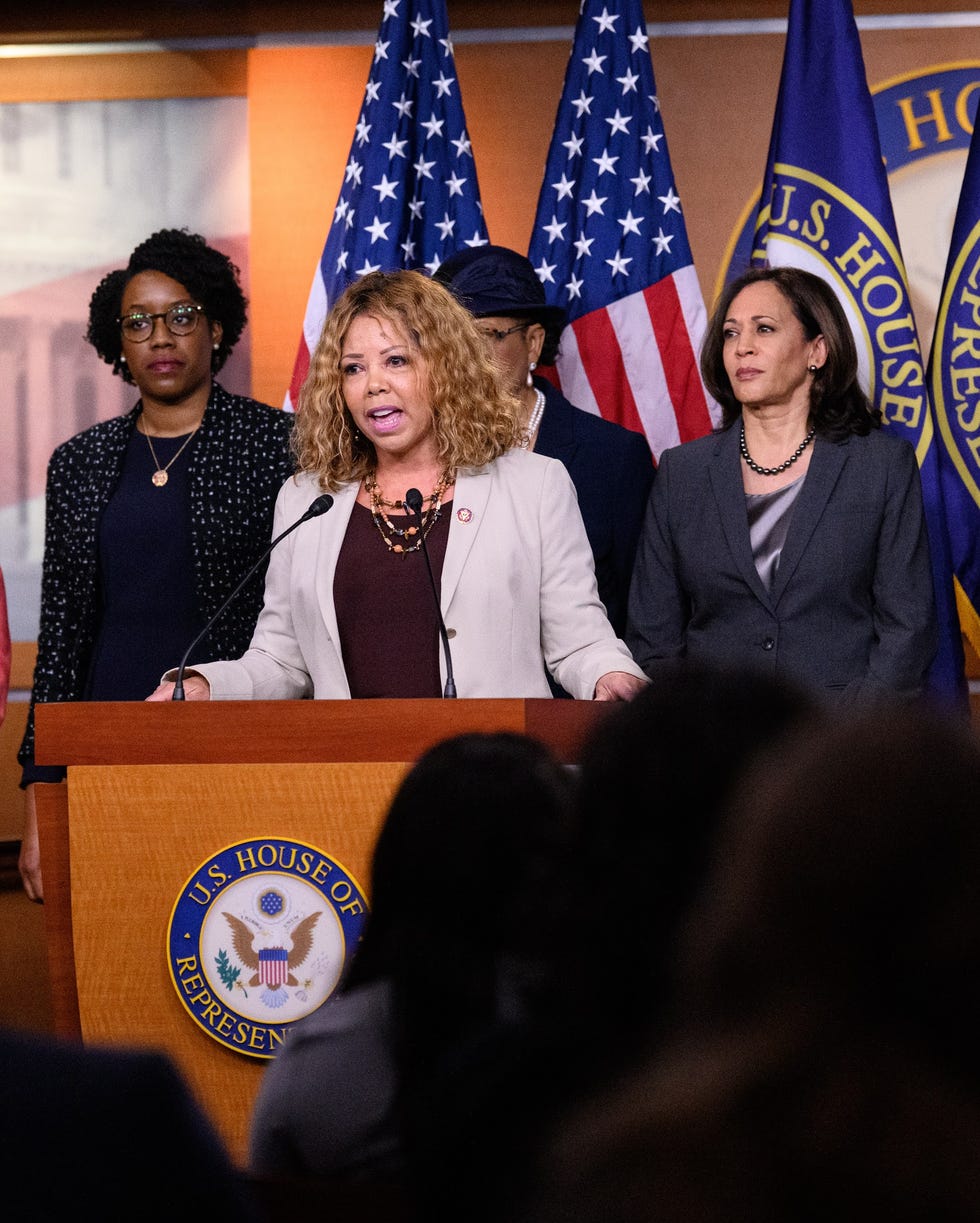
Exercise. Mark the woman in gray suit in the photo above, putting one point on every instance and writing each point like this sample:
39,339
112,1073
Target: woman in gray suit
403,401
793,539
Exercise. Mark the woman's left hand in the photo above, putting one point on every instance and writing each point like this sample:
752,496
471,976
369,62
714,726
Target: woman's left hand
618,686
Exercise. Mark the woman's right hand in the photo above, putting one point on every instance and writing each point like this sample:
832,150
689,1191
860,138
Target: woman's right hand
29,863
196,688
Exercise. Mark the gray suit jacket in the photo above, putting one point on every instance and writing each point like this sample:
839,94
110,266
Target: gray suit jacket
518,593
850,612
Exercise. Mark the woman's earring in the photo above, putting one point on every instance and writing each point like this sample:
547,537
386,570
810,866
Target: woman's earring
530,370
812,368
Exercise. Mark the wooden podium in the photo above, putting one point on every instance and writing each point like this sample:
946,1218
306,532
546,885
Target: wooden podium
154,789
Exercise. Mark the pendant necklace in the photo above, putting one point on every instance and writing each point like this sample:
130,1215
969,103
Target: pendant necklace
160,476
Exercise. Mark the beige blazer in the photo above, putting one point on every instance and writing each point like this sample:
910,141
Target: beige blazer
518,593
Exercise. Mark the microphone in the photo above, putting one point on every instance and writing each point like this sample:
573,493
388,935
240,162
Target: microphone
318,507
413,502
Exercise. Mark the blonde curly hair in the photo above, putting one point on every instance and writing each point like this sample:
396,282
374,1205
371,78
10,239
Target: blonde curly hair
475,419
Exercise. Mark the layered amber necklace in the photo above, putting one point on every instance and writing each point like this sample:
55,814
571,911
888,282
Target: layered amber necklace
403,540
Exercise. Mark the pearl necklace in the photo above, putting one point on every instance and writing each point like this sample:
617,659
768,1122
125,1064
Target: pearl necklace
533,420
773,471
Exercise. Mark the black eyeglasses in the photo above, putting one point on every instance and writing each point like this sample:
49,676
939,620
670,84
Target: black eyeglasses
491,333
180,320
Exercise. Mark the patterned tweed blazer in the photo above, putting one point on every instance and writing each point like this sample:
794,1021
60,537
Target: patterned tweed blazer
237,465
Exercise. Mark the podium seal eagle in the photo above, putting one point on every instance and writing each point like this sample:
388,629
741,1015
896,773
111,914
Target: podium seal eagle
259,937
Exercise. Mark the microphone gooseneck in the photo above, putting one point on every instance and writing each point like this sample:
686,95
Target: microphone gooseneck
413,502
318,507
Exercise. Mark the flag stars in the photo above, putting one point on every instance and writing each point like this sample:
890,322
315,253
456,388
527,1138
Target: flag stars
341,210
651,140
556,230
583,245
371,92
381,50
594,204
630,223
628,82
404,106
353,171
462,145
455,185
476,240
367,268
670,201
582,104
639,41
378,230
391,8
574,287
433,127
445,226
619,265
618,123
423,168
565,187
606,22
395,147
574,146
546,272
594,62
420,27
443,85
606,164
641,183
386,189
363,130
447,46
662,242
412,66
416,208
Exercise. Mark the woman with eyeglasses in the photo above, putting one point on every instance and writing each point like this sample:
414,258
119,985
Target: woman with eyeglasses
153,517
611,466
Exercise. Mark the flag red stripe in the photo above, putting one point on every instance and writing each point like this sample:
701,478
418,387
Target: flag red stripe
679,359
602,360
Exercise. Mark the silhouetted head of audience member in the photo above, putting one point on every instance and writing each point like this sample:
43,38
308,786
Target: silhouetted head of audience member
823,1059
654,777
471,858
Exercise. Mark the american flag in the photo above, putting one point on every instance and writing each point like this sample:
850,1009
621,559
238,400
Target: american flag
410,195
610,244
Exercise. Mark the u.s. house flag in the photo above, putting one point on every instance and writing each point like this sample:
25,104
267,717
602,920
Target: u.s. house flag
825,206
954,379
410,194
609,241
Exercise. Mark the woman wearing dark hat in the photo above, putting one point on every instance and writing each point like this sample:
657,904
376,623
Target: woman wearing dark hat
611,467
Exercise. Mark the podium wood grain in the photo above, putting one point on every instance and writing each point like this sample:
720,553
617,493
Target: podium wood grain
154,790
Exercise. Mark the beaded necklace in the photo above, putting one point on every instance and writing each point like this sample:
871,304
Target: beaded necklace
391,534
773,471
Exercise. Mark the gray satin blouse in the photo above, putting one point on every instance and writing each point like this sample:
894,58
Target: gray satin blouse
769,518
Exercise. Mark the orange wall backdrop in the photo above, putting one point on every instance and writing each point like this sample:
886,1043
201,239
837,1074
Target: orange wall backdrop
303,106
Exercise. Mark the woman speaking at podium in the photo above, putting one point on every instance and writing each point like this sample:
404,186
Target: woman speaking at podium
402,405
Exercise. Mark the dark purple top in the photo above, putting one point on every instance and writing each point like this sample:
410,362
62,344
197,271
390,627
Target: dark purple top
386,610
